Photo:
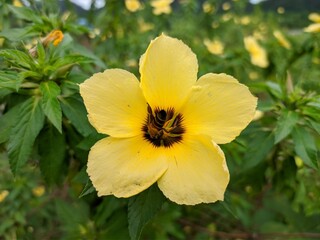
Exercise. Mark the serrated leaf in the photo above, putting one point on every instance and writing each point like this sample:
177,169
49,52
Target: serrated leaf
142,208
17,58
50,103
285,124
315,126
23,134
305,146
10,81
255,154
75,111
25,14
7,121
52,149
18,34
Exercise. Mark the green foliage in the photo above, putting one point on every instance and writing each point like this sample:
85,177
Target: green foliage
142,208
24,132
45,135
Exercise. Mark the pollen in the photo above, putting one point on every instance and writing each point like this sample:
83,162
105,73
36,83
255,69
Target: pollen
163,128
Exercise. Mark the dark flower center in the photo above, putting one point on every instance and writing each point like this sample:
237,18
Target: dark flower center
163,127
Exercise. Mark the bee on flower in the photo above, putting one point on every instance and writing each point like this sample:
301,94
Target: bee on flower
165,128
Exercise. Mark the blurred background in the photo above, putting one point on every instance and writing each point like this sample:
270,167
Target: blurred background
272,46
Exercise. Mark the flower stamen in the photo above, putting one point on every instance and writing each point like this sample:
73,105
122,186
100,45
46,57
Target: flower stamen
163,127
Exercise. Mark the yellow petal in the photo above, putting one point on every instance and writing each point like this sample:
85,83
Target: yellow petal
124,167
168,71
115,103
315,27
197,172
218,106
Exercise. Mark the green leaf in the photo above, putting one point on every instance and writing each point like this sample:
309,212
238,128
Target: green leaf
10,80
17,58
142,208
305,146
255,154
88,188
25,14
90,140
314,125
50,103
7,121
52,149
23,134
75,111
18,34
274,89
285,124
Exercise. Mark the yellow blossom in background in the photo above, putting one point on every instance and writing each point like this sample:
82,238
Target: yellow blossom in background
314,27
3,195
214,46
131,63
17,3
38,191
258,115
226,6
164,128
132,5
314,17
257,53
144,26
281,39
161,6
253,75
207,7
215,24
281,10
226,17
245,20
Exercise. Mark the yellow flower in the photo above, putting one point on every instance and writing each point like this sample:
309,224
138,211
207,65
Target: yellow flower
17,3
207,7
245,20
281,10
226,6
314,27
133,5
144,26
166,127
282,40
215,47
38,191
56,36
161,6
3,195
257,53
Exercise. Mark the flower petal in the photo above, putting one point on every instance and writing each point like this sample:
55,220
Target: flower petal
124,167
115,103
168,71
197,172
218,106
